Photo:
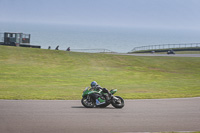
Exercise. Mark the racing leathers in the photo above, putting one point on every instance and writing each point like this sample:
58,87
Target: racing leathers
96,96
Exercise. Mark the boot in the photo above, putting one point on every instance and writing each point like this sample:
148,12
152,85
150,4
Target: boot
99,101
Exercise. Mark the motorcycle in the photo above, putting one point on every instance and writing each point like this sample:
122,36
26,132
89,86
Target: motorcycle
89,102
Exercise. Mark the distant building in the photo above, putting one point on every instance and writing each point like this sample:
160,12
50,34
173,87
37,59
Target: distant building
17,39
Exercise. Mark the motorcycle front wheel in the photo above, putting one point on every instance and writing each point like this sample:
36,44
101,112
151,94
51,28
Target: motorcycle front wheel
88,103
118,103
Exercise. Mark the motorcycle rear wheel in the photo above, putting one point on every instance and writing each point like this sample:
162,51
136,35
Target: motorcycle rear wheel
88,104
118,103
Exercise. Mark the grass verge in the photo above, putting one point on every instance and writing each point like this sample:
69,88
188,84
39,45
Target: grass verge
27,73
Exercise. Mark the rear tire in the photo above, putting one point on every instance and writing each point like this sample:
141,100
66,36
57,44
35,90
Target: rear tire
118,103
88,103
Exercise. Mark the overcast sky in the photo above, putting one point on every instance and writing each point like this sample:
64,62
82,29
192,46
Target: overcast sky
130,13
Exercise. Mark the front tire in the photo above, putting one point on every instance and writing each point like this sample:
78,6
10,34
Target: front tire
88,103
118,103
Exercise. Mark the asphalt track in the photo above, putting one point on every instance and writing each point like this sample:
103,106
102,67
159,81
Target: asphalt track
63,116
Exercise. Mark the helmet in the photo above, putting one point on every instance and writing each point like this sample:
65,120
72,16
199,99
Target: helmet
94,83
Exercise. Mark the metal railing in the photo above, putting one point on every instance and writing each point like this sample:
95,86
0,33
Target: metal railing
166,46
93,50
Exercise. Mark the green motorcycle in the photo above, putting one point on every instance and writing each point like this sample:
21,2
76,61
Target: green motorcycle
89,102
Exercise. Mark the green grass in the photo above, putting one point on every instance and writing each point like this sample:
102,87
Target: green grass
27,73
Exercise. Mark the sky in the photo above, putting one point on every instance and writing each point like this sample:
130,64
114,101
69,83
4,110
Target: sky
180,14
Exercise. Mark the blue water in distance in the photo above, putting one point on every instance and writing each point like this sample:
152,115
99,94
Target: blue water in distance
116,39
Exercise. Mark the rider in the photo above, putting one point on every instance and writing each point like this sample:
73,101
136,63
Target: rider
98,88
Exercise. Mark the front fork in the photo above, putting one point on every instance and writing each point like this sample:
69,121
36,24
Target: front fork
115,99
88,98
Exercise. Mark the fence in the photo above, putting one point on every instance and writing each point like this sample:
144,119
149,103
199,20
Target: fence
93,50
166,46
